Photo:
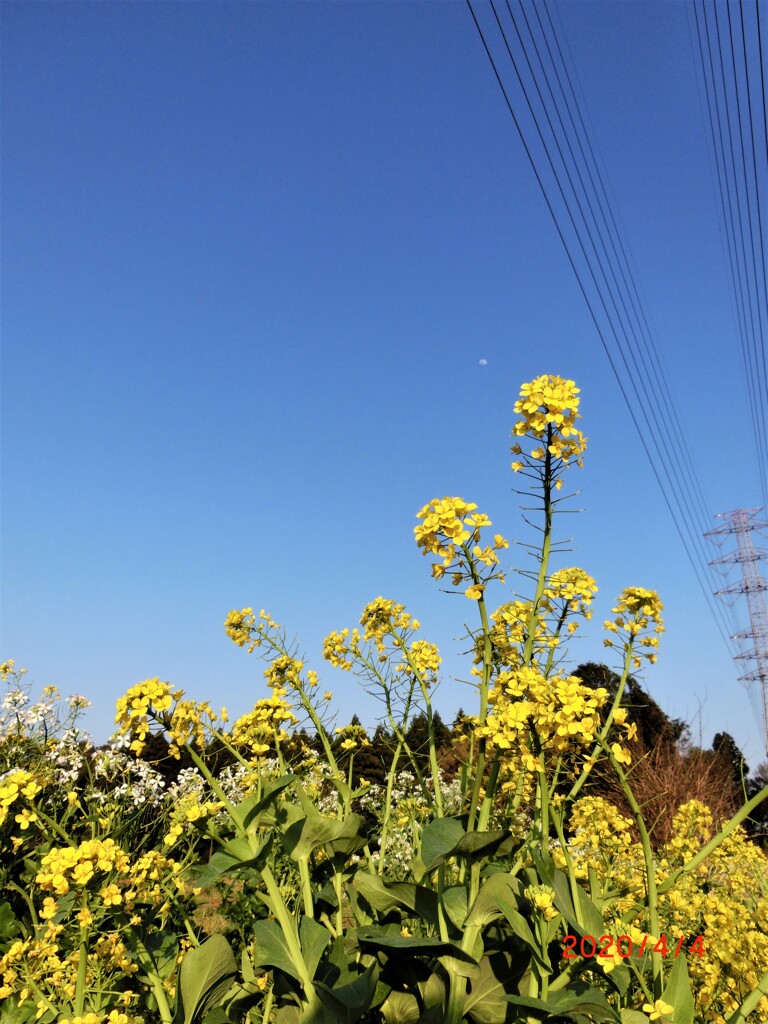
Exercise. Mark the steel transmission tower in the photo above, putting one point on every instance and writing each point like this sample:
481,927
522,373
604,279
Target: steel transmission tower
742,522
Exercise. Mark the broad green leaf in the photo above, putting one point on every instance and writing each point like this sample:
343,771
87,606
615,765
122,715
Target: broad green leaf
217,1016
677,991
438,841
235,856
271,950
412,945
473,843
205,976
576,1002
313,938
316,830
250,808
10,926
455,904
400,1008
350,1001
386,896
487,1002
486,907
633,1017
163,948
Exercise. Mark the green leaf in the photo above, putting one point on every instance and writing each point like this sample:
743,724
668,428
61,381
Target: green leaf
271,950
205,976
591,916
10,926
677,991
217,1016
578,1002
386,896
400,1008
313,938
412,945
350,1001
521,928
486,907
473,843
455,904
438,841
163,948
249,809
315,830
235,856
633,1017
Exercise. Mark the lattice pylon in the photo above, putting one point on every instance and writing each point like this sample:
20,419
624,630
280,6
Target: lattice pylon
742,523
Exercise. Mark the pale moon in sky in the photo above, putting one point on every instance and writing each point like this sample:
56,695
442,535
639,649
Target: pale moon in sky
483,362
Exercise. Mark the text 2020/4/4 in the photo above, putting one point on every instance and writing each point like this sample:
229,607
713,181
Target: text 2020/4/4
588,946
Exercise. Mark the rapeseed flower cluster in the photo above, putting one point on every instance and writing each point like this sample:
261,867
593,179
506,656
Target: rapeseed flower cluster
638,619
570,592
543,898
724,900
531,714
156,701
449,527
240,626
260,728
548,407
67,866
340,649
13,786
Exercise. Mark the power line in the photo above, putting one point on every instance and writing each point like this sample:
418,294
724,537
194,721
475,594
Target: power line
738,208
609,298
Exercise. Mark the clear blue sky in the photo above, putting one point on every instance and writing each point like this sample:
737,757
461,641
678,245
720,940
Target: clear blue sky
253,255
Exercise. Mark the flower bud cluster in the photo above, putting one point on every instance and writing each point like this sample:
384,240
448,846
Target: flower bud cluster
638,618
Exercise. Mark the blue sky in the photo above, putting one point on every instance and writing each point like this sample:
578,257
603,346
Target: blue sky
253,255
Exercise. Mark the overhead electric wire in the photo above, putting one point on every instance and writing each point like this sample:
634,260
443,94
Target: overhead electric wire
747,298
647,397
674,490
624,259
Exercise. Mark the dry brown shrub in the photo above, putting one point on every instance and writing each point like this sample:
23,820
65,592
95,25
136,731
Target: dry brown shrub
667,776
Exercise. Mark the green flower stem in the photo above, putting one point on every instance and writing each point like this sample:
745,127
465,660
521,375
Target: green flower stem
82,963
442,923
214,784
457,992
484,685
553,644
438,796
573,884
603,734
267,1006
288,926
27,899
397,728
306,887
657,967
750,1003
547,482
388,807
307,704
54,826
147,964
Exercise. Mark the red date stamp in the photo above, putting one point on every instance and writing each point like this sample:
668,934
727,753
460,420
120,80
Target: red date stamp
607,946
